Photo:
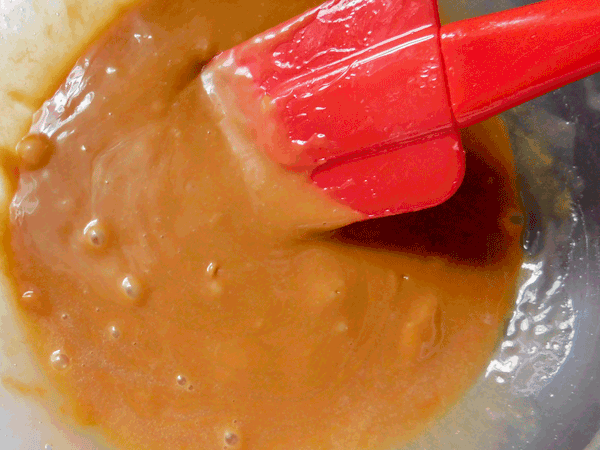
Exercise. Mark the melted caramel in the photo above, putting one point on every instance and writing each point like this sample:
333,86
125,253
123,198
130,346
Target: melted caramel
184,292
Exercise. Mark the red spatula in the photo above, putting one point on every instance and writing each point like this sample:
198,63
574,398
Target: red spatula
367,96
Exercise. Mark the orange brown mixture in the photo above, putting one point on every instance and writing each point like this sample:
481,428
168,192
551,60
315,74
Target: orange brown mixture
185,293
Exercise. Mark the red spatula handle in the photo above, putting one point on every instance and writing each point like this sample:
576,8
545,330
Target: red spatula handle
499,61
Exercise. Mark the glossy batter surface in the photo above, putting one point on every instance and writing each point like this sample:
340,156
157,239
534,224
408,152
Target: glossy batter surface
184,292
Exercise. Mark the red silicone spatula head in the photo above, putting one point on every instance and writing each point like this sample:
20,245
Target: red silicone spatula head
367,96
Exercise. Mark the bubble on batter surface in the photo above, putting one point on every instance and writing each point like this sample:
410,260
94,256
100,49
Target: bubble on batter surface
59,360
231,439
34,151
96,234
31,297
35,301
131,286
212,269
113,331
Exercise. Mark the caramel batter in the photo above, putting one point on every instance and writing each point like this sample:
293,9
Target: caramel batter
186,293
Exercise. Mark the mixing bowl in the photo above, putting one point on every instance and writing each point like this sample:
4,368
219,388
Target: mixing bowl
540,389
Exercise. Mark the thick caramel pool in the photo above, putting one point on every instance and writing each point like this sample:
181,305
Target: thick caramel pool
185,293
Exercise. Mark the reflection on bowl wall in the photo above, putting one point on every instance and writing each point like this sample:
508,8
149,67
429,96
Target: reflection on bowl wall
540,389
